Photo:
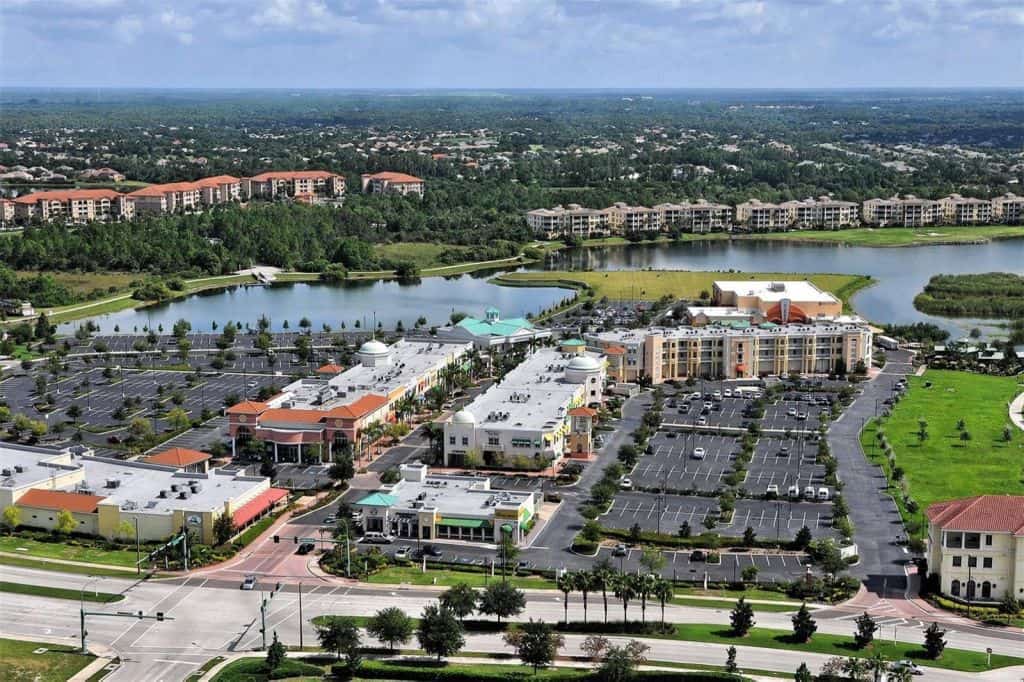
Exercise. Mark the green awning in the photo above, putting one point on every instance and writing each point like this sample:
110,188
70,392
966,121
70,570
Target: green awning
465,523
527,514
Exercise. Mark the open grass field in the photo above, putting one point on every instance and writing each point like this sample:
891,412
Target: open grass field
59,663
943,466
650,285
898,236
423,254
84,282
28,548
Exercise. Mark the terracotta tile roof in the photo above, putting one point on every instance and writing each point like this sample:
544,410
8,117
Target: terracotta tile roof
257,505
217,181
363,406
992,513
293,175
394,178
177,457
614,350
160,190
247,407
291,416
329,368
582,412
59,500
67,195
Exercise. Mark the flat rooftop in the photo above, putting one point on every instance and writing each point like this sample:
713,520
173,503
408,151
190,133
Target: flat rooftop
797,290
27,466
636,336
455,495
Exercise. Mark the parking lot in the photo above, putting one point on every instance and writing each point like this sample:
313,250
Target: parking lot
673,465
783,463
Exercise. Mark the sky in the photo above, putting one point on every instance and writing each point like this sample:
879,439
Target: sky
512,43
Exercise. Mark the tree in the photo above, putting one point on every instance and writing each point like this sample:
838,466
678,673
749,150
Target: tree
502,600
340,636
1009,605
140,428
934,641
749,537
391,626
585,583
342,470
178,419
749,574
439,632
224,529
684,530
652,560
74,411
866,629
730,661
11,518
65,522
620,662
275,654
125,530
536,643
803,538
603,576
460,599
594,646
625,589
803,674
804,626
565,584
663,591
741,618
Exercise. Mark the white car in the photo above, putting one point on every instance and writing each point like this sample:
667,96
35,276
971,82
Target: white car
810,492
717,395
626,484
793,491
249,583
823,495
908,665
772,490
695,395
727,393
702,421
791,412
698,453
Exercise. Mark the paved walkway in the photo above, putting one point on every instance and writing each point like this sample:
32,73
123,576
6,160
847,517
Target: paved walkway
1017,412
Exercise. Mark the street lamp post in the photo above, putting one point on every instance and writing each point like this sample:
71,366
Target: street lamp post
81,609
300,615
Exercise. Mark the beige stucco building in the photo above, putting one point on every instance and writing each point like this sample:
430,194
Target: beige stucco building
976,547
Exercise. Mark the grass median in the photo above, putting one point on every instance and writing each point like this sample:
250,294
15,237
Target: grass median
60,593
20,662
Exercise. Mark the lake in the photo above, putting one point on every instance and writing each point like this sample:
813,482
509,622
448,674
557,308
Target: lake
901,274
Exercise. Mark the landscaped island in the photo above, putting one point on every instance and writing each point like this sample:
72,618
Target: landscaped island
986,295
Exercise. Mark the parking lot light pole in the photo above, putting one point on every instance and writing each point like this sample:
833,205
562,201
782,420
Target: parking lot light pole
300,615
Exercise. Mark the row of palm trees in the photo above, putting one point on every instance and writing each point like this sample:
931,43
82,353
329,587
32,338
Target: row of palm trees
625,587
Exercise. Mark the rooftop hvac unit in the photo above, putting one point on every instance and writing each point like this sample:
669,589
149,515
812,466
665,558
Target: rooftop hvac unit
184,495
162,494
113,483
195,487
174,487
6,472
18,469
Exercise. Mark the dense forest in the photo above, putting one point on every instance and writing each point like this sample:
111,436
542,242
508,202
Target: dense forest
998,295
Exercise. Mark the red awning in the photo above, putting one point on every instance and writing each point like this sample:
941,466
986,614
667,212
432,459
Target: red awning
741,368
257,505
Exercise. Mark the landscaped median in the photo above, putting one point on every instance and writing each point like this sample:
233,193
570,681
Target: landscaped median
60,593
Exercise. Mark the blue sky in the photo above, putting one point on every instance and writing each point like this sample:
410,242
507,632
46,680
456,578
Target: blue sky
512,43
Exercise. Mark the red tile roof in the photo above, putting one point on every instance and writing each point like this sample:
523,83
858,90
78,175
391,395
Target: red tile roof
582,412
67,195
177,457
365,405
982,513
160,190
256,506
291,416
247,407
60,500
293,175
614,350
394,178
329,368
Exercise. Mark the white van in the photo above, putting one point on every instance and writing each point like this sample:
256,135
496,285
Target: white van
823,495
793,491
809,492
373,538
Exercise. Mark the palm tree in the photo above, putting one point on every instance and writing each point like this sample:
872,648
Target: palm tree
644,587
664,592
585,582
603,574
624,587
566,583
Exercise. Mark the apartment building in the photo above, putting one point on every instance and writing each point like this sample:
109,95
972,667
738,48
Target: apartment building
821,213
734,352
540,411
759,216
76,206
1008,209
572,220
976,547
393,183
960,210
700,216
6,213
626,219
321,415
310,185
909,211
426,506
102,494
186,197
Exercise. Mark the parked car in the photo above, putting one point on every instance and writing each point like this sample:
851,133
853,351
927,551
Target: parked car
697,555
330,520
249,583
626,484
908,665
810,492
402,553
373,538
702,421
772,490
620,550
727,393
802,416
791,412
699,453
793,491
672,434
823,494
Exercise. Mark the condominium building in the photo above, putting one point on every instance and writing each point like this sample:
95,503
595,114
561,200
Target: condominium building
104,494
538,412
1008,209
626,219
960,210
310,185
186,197
572,220
909,211
701,216
324,414
759,216
976,547
393,183
735,352
6,212
76,206
820,213
427,506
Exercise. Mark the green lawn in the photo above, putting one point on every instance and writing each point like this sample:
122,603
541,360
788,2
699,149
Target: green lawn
942,466
423,254
58,664
728,604
77,569
60,593
85,282
446,578
898,236
58,550
650,285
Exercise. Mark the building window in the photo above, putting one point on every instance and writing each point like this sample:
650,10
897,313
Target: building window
986,590
957,561
954,588
465,440
988,540
986,562
972,562
451,440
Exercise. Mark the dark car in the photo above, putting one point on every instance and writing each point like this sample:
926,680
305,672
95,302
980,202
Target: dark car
428,551
305,548
697,555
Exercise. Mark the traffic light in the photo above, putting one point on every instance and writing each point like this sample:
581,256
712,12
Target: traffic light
159,615
296,539
277,539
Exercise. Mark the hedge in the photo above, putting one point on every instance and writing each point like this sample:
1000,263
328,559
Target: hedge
431,671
